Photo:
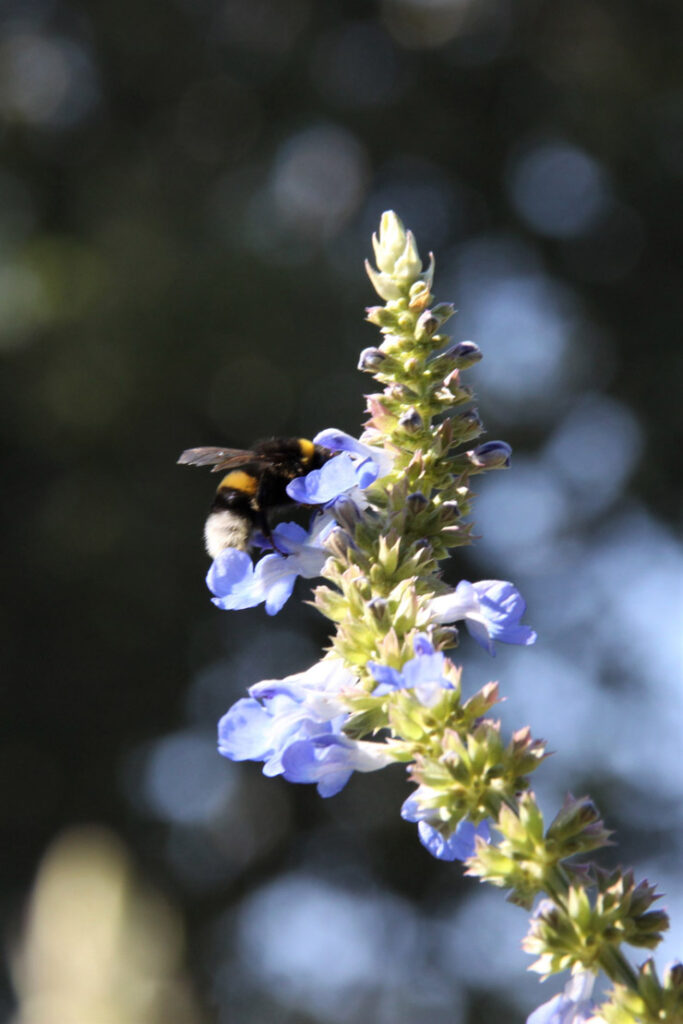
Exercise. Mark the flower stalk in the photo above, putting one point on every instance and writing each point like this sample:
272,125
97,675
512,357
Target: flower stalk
393,505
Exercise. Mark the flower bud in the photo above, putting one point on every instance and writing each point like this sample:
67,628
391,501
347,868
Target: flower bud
577,828
399,392
346,513
673,976
339,543
380,316
408,265
491,455
411,421
391,242
371,359
427,324
444,636
443,311
390,344
416,502
467,350
464,354
467,425
379,609
450,511
382,419
419,296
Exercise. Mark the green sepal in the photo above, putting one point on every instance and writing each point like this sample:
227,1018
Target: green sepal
520,861
480,703
384,285
651,1002
577,828
362,723
331,603
406,718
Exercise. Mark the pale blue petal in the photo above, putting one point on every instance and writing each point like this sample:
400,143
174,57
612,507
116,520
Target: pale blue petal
455,606
245,731
387,678
458,846
279,592
573,1006
366,473
422,644
551,1012
522,635
232,567
268,689
325,760
339,441
433,841
479,631
323,485
410,808
427,668
289,537
246,595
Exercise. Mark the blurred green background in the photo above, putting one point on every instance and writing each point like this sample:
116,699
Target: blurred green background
187,191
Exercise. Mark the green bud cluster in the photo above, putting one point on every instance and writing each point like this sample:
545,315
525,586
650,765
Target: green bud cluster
387,558
585,931
649,1000
527,859
420,369
475,772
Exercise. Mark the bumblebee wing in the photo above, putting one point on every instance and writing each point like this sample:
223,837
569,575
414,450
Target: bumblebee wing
218,458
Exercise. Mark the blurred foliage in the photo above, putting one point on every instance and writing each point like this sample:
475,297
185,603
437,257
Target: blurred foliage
186,194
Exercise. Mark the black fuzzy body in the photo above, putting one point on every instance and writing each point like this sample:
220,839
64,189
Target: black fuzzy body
257,486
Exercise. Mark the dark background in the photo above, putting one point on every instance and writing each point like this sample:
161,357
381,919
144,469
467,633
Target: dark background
187,192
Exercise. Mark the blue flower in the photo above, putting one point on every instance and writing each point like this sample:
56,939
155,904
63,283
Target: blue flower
237,583
356,467
459,844
336,477
330,760
491,610
424,674
294,725
338,441
280,712
573,1006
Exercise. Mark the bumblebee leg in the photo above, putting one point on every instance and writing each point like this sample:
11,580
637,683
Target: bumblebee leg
271,494
263,526
261,505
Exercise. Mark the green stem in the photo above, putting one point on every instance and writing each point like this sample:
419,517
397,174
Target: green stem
557,884
616,966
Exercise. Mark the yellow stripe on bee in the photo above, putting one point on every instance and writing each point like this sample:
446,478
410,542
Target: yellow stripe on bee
307,448
239,480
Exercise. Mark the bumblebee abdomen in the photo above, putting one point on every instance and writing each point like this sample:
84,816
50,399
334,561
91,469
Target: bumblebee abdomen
230,521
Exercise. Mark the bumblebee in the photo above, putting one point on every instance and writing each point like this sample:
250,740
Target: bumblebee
254,485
